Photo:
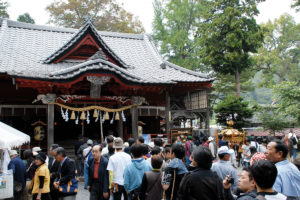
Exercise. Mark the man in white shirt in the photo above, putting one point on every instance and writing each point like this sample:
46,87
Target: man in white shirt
116,167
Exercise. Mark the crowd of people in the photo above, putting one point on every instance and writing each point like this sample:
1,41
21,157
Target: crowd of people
189,168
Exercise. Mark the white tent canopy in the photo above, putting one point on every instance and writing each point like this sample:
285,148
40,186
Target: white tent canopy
11,137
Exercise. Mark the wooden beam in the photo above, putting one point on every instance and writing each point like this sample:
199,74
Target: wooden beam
134,119
167,114
50,126
50,121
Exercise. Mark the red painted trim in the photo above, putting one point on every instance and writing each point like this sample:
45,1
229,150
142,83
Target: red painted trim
84,41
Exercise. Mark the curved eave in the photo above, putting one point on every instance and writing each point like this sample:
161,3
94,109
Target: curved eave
75,38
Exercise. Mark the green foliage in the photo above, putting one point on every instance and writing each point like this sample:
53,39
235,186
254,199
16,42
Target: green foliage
287,95
271,120
3,9
228,35
174,27
235,108
108,15
26,18
278,59
296,5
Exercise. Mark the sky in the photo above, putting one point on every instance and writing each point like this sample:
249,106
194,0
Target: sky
270,9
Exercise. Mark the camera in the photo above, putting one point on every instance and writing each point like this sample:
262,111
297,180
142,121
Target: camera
230,180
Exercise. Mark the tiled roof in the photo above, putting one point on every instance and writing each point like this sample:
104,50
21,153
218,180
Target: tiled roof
277,133
24,47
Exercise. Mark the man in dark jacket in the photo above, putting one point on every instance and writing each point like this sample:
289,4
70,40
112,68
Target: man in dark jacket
246,185
201,183
66,173
19,172
98,175
53,168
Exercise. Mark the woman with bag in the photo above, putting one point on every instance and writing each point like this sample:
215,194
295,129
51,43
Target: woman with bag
151,187
41,180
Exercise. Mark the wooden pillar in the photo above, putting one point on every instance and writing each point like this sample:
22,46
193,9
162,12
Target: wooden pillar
167,114
134,118
50,121
207,114
120,128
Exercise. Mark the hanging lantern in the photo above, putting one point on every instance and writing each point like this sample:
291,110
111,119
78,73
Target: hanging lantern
106,116
73,117
95,114
82,116
117,116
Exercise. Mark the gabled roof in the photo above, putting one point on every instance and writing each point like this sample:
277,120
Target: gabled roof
28,51
87,30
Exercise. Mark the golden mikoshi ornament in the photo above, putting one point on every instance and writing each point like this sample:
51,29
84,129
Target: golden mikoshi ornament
106,116
73,117
95,114
82,116
117,116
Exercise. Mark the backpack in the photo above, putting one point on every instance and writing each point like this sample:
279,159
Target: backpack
294,140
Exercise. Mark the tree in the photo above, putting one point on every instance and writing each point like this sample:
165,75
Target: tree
287,95
233,108
271,120
278,59
228,35
296,5
174,27
26,18
108,15
3,9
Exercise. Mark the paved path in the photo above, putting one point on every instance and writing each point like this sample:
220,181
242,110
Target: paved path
82,193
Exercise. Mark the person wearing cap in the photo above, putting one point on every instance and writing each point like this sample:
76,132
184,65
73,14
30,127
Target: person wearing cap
211,146
19,173
86,154
116,167
36,150
223,168
41,180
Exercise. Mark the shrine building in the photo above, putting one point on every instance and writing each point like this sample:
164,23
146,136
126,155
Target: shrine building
49,74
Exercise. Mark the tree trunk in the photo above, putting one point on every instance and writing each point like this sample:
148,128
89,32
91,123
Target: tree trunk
237,82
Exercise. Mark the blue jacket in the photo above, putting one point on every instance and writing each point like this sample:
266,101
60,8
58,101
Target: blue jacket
134,172
19,170
102,174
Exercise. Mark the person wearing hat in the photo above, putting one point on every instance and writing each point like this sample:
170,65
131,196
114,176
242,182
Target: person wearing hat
223,168
19,173
87,152
41,180
116,167
35,152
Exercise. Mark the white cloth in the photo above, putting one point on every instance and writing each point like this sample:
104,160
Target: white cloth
247,151
274,196
212,148
261,149
6,160
104,150
117,164
85,152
